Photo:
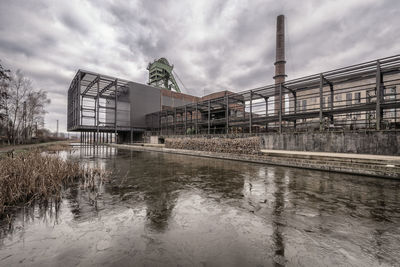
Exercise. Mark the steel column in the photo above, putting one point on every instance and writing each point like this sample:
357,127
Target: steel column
280,108
197,118
97,109
331,103
227,114
295,108
251,112
185,120
378,95
78,87
116,109
321,88
209,116
174,121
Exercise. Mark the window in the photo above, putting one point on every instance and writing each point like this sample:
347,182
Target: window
348,99
298,105
304,105
390,93
357,98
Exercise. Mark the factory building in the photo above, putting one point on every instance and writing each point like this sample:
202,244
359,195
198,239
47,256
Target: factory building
359,97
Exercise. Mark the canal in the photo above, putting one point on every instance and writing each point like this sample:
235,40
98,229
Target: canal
171,210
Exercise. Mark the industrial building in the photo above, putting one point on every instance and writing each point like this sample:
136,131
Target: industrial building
359,97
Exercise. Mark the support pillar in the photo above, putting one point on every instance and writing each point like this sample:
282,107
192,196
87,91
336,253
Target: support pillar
280,108
378,95
174,121
185,120
321,97
97,108
115,114
331,103
295,109
227,114
209,116
251,112
266,113
197,118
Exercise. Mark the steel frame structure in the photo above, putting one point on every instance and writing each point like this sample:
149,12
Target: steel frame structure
90,95
363,96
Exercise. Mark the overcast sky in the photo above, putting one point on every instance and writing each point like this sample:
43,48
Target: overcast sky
214,45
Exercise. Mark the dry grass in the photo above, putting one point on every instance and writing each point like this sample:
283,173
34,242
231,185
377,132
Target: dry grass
31,176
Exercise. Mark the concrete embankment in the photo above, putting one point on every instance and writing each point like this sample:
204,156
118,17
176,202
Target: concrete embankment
361,164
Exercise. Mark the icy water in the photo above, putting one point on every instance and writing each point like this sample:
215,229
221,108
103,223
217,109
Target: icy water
172,210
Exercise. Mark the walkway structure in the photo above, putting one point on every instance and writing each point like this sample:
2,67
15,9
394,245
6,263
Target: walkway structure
363,96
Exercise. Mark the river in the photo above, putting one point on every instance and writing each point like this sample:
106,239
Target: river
172,210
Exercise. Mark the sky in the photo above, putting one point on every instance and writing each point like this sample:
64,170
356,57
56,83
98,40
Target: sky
213,44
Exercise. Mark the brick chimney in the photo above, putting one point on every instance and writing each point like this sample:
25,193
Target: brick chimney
280,58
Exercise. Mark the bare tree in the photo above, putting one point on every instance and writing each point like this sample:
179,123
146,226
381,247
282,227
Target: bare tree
22,108
35,111
4,83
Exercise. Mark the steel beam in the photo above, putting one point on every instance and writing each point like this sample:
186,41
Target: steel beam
90,85
108,86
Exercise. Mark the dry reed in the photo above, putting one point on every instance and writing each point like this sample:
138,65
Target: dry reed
31,176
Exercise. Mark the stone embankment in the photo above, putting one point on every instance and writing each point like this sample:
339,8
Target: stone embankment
249,145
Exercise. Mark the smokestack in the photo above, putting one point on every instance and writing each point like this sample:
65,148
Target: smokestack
280,58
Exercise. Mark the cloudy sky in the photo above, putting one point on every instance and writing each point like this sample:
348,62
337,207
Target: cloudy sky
213,44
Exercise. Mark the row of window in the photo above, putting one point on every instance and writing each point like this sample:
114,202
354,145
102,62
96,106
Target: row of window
389,94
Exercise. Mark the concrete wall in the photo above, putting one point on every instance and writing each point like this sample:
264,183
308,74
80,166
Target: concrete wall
379,143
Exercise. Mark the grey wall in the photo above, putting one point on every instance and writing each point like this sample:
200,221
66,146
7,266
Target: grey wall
144,99
379,143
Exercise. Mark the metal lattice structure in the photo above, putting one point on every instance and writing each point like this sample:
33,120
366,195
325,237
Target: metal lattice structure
160,75
92,99
359,97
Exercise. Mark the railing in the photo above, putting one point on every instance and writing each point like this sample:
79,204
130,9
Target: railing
359,97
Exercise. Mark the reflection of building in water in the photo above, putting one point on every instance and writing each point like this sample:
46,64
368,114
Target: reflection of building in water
278,221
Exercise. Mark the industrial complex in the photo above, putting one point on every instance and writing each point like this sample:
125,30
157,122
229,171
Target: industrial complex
361,97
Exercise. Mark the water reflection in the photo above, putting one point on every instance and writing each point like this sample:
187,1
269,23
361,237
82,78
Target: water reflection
165,209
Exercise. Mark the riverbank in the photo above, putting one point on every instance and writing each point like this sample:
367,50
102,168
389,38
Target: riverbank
8,148
360,164
30,175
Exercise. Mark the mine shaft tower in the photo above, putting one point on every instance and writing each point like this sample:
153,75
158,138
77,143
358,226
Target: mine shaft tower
160,75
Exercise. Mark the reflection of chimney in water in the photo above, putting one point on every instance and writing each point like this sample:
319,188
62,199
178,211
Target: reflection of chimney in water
280,59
